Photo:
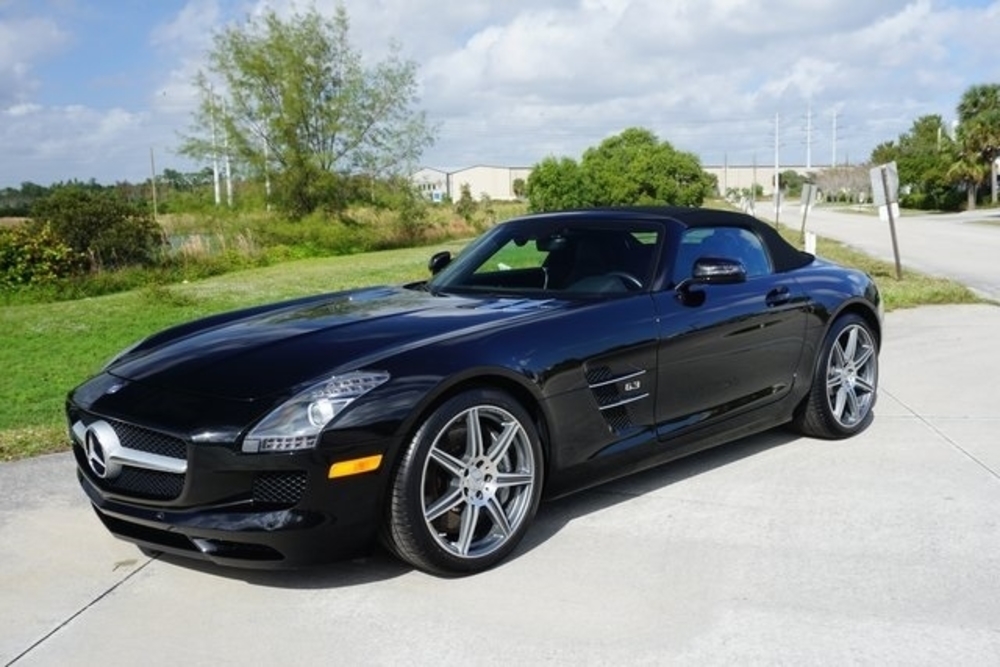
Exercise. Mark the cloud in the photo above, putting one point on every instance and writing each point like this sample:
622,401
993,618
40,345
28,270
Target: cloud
709,74
23,43
71,142
190,30
512,82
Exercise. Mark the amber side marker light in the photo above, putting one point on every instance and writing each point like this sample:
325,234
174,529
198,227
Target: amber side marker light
355,466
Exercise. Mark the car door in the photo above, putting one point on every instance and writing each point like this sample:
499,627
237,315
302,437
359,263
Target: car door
725,349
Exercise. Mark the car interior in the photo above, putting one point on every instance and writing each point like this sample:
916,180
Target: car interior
579,261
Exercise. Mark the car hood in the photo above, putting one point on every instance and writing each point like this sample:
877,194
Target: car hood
271,352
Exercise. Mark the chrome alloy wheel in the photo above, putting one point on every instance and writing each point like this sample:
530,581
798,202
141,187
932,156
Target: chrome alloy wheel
477,481
851,375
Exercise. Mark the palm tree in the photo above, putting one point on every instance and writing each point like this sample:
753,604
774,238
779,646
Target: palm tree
968,171
977,100
979,126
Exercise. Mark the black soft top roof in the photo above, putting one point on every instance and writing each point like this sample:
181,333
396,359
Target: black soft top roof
784,255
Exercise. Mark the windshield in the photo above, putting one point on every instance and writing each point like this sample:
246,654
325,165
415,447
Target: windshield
550,258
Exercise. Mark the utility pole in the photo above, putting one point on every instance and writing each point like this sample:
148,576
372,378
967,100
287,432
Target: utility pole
809,136
229,173
725,174
152,180
777,178
215,149
267,180
833,154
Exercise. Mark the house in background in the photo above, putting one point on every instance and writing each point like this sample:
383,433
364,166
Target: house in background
494,182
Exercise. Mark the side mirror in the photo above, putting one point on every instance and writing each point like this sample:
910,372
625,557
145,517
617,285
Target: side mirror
710,271
718,271
438,261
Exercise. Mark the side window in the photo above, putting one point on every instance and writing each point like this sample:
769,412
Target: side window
752,254
725,242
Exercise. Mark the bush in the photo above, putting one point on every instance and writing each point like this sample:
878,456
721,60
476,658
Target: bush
35,256
947,200
466,205
101,225
317,235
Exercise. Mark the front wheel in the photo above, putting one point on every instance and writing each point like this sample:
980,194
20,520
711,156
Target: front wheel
467,486
844,384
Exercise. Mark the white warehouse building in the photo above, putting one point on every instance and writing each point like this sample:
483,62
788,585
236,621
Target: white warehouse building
494,182
498,182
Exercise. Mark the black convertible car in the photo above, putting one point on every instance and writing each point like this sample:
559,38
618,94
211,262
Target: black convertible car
555,352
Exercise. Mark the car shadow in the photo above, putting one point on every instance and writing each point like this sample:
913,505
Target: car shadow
552,517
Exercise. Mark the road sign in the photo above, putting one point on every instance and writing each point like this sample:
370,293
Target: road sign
885,192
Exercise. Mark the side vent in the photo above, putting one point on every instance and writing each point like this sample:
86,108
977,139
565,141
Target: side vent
614,393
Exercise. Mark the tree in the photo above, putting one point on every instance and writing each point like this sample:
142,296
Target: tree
519,187
979,127
968,171
923,155
294,98
631,168
843,183
466,206
791,182
555,184
635,167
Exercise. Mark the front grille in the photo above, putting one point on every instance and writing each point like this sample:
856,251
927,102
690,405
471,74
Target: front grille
145,440
148,484
137,482
279,488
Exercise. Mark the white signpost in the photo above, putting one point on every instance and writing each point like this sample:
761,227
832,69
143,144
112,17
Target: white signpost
808,197
885,192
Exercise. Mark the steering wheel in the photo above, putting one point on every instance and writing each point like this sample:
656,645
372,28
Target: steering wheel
631,282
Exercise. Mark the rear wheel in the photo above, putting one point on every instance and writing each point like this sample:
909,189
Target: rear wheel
467,486
844,384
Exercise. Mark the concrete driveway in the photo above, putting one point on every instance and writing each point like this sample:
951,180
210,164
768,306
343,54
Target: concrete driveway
883,549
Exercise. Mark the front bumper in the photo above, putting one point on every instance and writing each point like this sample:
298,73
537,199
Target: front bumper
247,510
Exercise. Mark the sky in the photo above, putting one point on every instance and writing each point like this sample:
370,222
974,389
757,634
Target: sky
90,88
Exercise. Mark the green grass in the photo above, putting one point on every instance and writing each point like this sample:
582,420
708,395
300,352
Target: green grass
48,348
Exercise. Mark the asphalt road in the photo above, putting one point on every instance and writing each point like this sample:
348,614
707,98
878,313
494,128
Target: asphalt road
962,246
883,549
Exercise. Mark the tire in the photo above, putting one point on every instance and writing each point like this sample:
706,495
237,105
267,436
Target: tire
844,383
467,486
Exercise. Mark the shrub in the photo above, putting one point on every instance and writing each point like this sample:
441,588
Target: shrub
101,225
35,256
466,206
317,235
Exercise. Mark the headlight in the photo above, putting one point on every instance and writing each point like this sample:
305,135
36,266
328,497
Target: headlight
297,422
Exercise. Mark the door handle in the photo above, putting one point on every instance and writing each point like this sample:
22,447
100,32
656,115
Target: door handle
778,297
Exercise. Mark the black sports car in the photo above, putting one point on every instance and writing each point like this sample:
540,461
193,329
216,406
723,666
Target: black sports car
556,351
